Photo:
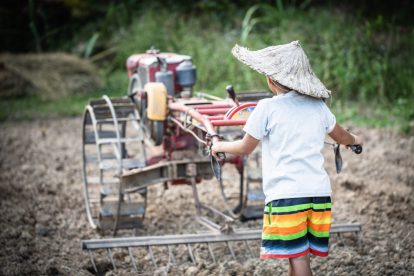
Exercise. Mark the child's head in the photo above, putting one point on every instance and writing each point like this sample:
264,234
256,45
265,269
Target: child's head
285,64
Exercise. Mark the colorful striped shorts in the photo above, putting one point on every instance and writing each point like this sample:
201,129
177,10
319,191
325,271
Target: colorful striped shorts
296,226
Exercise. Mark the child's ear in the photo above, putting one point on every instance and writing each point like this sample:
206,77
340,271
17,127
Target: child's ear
269,82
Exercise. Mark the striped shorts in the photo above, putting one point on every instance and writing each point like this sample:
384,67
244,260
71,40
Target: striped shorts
296,226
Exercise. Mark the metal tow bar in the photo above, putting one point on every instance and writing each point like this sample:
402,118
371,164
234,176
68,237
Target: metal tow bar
148,242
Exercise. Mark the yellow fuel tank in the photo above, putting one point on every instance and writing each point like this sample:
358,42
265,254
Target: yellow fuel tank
156,101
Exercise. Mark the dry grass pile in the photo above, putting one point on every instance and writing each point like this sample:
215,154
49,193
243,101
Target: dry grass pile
49,75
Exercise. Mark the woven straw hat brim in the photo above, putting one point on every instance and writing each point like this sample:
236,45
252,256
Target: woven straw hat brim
287,64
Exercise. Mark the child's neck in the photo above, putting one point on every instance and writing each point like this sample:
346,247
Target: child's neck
280,91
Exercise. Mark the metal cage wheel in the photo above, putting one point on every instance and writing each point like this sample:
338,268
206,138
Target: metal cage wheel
113,141
90,190
233,188
247,201
134,156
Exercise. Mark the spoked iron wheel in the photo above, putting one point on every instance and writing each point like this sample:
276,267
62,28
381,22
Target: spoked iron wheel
233,187
255,198
90,169
241,187
113,142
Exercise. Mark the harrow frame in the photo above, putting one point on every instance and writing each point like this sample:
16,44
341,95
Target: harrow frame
148,242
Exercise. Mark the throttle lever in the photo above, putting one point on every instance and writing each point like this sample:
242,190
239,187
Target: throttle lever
232,94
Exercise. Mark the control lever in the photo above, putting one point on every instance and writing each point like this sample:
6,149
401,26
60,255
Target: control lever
356,148
232,94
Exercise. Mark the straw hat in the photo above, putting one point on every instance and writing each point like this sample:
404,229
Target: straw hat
287,64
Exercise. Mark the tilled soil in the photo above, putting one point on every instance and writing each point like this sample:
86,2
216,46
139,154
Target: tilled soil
43,216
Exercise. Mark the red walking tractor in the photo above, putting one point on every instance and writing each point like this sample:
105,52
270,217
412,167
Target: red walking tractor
159,134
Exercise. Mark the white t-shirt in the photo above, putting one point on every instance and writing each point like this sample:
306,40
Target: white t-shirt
292,128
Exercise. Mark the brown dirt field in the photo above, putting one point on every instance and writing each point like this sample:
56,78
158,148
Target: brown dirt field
43,219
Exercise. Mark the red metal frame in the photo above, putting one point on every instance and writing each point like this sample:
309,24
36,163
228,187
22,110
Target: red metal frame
208,120
232,112
198,112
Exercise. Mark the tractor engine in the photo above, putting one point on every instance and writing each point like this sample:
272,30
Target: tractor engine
154,77
175,71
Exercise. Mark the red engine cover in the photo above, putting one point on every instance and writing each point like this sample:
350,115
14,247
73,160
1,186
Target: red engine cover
146,65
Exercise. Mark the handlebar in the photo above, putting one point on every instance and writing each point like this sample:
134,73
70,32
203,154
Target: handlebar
215,138
216,162
356,148
221,156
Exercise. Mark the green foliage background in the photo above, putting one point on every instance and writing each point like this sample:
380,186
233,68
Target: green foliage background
364,57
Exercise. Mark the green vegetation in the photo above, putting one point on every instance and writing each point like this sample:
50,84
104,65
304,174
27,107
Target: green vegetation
23,108
366,62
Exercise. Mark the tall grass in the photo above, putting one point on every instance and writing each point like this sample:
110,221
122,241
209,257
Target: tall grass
209,46
356,59
362,60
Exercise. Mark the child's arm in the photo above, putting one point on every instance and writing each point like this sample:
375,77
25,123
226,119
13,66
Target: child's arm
341,136
244,146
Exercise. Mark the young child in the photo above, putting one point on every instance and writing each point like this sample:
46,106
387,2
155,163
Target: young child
292,127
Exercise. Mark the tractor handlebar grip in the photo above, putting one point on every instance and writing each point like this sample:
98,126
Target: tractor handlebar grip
221,156
213,138
356,148
231,92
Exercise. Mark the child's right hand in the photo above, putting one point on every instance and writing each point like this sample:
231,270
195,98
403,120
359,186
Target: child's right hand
356,146
343,137
358,140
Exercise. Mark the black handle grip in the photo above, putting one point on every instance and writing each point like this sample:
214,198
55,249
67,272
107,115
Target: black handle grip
221,156
356,148
230,90
232,93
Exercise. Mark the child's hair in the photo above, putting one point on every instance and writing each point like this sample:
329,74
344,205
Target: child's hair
279,84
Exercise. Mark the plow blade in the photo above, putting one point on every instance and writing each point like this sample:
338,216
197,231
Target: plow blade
167,241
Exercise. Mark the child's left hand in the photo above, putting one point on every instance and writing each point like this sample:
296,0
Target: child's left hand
215,148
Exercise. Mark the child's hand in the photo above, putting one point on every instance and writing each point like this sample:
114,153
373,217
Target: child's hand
215,148
356,145
357,139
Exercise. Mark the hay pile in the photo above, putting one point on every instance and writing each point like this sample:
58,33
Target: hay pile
49,75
